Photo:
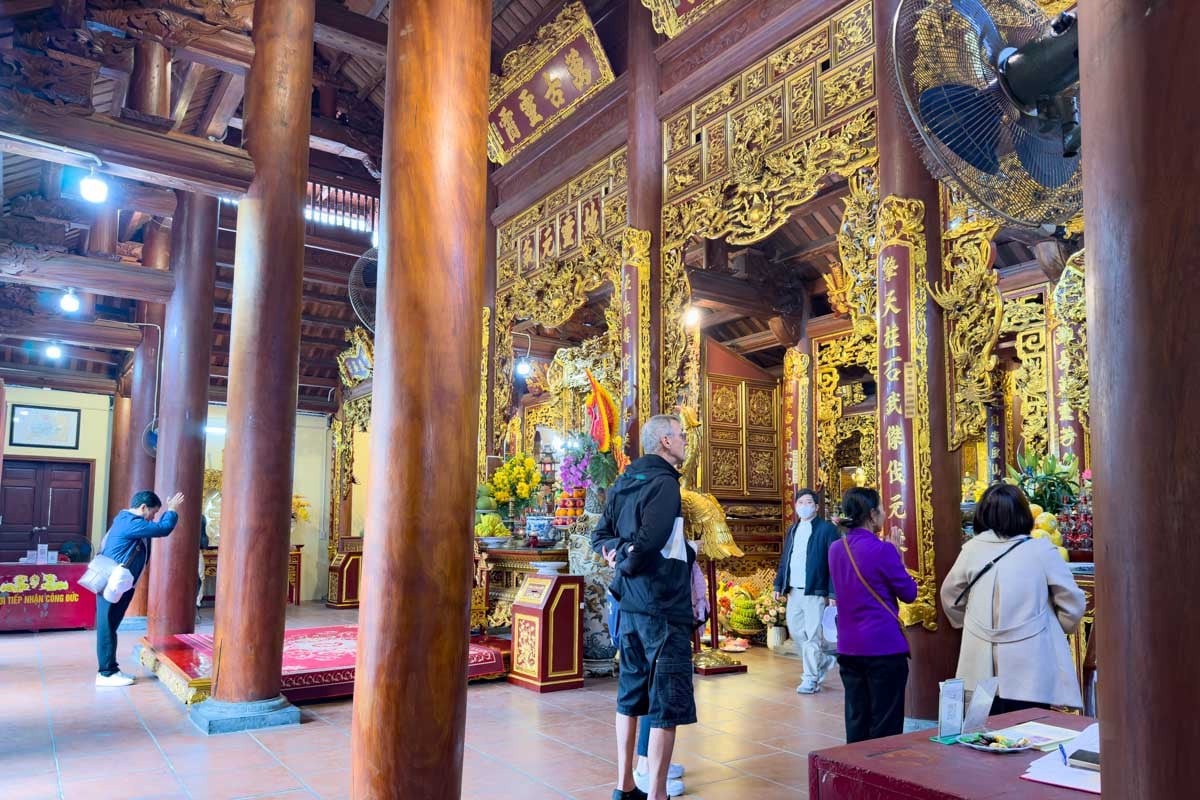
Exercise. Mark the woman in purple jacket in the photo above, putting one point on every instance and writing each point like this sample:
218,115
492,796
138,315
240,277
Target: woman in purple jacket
869,578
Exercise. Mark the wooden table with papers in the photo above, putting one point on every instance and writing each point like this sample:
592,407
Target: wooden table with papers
912,766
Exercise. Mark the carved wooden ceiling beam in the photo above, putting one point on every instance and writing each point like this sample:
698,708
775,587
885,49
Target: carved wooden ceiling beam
315,381
128,151
305,319
70,352
341,29
63,379
32,265
753,342
726,293
104,335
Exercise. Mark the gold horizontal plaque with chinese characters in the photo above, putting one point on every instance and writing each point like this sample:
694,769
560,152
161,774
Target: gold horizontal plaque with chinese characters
672,17
543,81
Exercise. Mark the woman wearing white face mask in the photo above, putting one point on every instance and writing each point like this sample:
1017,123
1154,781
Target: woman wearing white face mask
803,578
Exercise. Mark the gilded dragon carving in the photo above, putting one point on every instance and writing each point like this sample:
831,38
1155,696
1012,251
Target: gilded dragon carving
969,294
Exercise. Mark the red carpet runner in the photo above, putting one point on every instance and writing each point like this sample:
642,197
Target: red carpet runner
318,663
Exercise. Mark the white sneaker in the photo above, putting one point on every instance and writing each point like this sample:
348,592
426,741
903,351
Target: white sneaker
675,771
116,679
675,786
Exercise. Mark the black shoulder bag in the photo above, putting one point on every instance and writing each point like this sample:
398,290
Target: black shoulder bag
985,569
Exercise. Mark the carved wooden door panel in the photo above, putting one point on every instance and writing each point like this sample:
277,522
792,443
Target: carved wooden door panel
725,462
743,452
762,440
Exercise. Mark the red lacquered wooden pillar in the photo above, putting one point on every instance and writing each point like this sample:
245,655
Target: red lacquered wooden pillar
264,351
919,478
149,93
425,406
183,410
1138,59
144,383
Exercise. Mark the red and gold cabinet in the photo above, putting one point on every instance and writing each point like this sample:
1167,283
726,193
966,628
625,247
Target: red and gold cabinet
547,633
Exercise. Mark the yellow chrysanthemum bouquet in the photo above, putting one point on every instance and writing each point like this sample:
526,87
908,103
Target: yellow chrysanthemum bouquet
300,508
515,482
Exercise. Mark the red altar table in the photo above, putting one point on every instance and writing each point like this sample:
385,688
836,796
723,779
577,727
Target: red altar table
912,767
40,597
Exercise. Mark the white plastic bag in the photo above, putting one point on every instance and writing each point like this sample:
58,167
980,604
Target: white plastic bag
829,627
120,581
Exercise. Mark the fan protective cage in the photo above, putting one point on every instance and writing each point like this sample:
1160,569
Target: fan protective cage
362,296
932,46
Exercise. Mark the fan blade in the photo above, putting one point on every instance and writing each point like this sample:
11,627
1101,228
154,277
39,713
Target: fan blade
966,120
1041,154
981,21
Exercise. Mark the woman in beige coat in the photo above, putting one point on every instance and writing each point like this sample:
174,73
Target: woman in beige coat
1016,601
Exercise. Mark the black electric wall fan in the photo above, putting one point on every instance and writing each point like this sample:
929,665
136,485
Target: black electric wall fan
992,91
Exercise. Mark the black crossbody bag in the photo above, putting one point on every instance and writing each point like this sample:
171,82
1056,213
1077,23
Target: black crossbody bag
985,569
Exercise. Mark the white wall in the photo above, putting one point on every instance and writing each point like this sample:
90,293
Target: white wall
310,478
95,429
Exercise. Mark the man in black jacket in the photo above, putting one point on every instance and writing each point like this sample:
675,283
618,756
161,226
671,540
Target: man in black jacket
803,578
643,526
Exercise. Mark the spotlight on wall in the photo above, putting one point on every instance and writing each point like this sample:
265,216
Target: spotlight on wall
69,302
53,352
691,317
93,189
524,367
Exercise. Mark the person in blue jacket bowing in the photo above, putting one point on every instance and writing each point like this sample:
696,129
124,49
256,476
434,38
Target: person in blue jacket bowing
127,542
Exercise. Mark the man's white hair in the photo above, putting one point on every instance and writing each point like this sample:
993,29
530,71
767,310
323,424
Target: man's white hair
655,429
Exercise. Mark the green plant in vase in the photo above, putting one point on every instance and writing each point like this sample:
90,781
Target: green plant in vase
1047,481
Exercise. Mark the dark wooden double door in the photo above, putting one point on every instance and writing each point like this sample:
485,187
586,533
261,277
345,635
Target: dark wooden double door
42,494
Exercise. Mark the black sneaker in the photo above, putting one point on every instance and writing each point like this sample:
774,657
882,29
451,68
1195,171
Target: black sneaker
632,794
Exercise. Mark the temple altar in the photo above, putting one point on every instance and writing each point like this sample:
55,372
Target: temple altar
293,573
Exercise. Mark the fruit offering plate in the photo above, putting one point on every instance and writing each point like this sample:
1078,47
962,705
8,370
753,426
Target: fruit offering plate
494,541
548,567
991,743
735,645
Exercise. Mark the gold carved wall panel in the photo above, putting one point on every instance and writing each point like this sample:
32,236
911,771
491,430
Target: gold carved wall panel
672,17
1025,316
741,159
1070,332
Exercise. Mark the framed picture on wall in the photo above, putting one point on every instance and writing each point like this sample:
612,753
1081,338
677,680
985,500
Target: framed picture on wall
38,426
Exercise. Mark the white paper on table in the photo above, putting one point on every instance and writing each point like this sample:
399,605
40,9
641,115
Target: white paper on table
981,705
1050,768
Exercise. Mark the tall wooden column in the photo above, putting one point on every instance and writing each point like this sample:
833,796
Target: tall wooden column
1143,233
118,453
144,384
644,208
187,349
149,93
919,481
256,485
425,405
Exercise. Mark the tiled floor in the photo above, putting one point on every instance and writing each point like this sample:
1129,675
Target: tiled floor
61,737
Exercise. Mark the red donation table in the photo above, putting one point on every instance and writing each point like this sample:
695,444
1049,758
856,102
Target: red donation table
547,634
41,597
911,766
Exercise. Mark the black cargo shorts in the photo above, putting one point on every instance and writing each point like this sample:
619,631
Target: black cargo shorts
656,671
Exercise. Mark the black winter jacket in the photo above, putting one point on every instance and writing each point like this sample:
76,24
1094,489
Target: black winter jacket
639,516
816,564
